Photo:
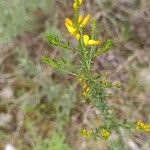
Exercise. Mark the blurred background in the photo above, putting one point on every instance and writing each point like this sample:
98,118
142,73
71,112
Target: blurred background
40,109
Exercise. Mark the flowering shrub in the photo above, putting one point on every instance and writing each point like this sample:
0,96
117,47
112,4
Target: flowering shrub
94,86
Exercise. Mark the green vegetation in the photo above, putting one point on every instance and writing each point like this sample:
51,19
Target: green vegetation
19,16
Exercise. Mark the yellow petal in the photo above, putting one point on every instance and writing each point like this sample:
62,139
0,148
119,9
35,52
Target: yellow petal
84,94
71,30
80,19
78,36
84,86
105,134
68,22
75,6
93,42
88,89
85,39
84,22
77,3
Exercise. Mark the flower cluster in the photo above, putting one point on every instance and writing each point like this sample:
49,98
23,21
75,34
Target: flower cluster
76,28
105,134
140,125
85,87
71,27
86,133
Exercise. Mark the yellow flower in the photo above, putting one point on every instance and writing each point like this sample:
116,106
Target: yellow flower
77,36
146,128
80,19
93,42
86,91
68,22
85,88
87,41
141,126
70,26
71,30
84,85
81,78
86,133
77,4
84,21
105,134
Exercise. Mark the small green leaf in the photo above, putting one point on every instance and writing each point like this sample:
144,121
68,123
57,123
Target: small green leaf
56,41
51,62
61,65
64,61
93,28
105,47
